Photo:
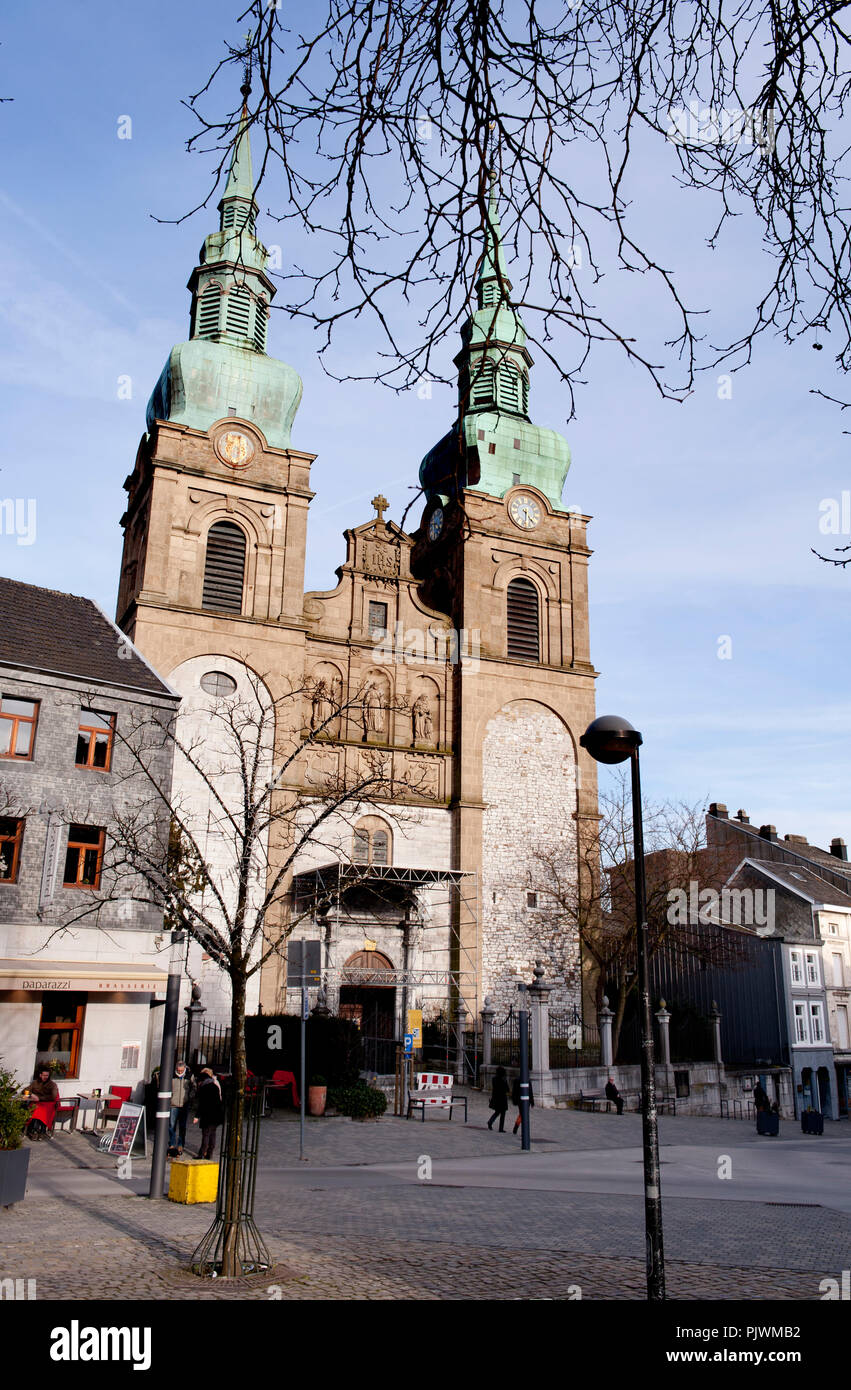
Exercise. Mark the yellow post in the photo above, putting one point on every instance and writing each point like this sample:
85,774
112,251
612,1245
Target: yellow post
193,1180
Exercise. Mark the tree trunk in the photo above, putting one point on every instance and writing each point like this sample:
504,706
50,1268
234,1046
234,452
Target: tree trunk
231,1261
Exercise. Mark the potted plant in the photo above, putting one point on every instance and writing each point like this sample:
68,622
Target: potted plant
812,1121
14,1159
360,1101
317,1094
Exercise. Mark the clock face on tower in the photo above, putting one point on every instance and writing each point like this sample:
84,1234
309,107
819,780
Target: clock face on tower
435,524
524,511
235,448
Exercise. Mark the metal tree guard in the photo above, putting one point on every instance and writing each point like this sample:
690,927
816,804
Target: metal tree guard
253,1256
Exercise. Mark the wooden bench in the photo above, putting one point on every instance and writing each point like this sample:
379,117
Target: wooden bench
435,1090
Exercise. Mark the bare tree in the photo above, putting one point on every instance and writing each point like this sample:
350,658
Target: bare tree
385,125
217,853
596,898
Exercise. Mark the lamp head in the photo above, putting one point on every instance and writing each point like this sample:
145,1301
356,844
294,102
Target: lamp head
610,739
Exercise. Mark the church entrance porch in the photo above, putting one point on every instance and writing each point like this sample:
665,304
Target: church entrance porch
373,1008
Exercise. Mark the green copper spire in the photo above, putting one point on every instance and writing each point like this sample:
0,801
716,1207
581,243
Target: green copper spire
493,444
223,370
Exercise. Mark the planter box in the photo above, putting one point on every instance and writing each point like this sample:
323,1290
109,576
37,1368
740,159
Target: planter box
812,1122
767,1123
13,1175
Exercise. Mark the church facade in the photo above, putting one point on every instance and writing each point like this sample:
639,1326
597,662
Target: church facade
457,654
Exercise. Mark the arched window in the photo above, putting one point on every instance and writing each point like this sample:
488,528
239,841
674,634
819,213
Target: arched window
224,568
261,314
239,310
208,310
482,381
522,620
371,843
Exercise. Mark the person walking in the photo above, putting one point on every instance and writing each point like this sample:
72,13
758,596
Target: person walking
515,1100
499,1099
210,1111
182,1095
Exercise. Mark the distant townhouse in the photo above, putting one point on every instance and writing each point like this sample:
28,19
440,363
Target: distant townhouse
77,990
802,902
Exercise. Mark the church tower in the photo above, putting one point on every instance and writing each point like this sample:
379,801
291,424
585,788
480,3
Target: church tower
212,578
501,554
215,527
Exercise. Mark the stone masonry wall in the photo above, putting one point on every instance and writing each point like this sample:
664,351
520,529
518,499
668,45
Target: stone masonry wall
529,790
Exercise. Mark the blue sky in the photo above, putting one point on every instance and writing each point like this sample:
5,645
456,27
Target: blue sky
704,512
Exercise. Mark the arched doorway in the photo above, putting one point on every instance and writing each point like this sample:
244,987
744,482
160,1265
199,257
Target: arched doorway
369,1000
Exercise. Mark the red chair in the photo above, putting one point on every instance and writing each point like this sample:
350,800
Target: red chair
119,1094
282,1081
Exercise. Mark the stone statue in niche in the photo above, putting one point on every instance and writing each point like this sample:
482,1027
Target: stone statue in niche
322,706
373,712
422,720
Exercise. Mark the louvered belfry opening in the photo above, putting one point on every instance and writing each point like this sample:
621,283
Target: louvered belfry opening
224,569
522,620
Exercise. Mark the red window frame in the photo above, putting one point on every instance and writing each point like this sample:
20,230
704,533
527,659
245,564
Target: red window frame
16,720
82,848
15,839
93,730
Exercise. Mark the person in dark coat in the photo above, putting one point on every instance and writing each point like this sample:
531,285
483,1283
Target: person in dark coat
515,1100
43,1098
499,1099
614,1095
760,1098
210,1111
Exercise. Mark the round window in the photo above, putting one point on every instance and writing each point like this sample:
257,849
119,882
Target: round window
217,683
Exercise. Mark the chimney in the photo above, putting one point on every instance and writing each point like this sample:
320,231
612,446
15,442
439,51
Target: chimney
740,816
795,839
717,808
838,848
769,832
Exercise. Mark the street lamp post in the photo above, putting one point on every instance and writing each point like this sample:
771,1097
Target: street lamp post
164,1088
613,740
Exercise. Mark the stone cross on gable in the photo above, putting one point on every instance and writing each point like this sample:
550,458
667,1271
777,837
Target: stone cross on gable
380,504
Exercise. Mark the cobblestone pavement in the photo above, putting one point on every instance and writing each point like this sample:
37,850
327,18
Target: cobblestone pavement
343,1227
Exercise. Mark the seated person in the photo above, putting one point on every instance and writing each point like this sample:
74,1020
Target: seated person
613,1094
43,1097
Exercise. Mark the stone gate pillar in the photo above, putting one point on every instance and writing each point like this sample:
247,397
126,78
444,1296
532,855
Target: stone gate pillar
604,1022
487,1031
663,1018
541,1075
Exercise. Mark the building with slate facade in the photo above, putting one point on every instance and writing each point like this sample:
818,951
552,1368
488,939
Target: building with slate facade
78,986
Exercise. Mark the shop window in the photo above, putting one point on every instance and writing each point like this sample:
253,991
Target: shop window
11,835
94,739
18,719
60,1033
84,856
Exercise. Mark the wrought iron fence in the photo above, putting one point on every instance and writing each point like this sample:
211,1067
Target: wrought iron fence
212,1048
505,1041
572,1042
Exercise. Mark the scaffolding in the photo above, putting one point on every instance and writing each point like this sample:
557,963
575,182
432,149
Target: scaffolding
441,920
